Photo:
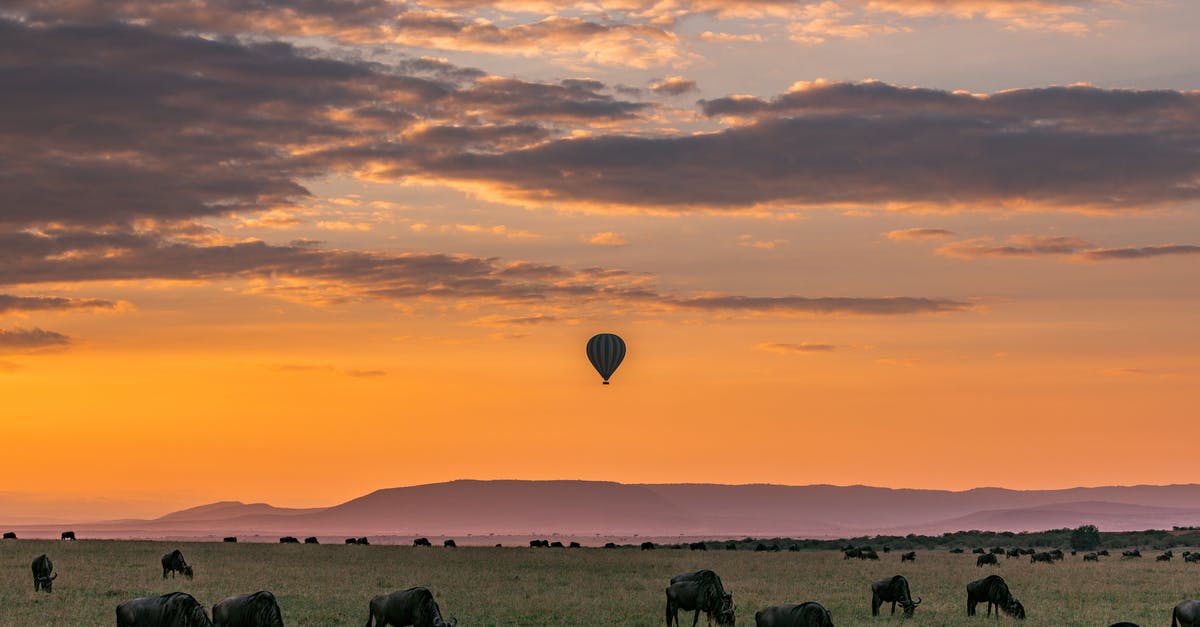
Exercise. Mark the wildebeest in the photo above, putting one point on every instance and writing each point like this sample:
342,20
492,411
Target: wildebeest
993,591
175,609
68,535
887,549
289,540
698,546
1041,557
647,546
869,555
311,540
1165,557
610,545
1013,552
911,556
43,573
978,551
1186,614
231,539
10,535
351,540
556,545
422,542
810,614
956,550
449,544
173,562
987,558
699,591
1056,554
1091,557
1192,557
892,590
574,545
248,610
1103,552
539,543
849,553
402,608
1124,624
997,550
1027,551
1133,553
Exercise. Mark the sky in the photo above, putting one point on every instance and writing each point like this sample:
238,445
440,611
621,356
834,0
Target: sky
296,251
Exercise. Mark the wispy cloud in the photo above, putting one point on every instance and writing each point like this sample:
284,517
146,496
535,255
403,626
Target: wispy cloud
919,233
607,238
796,349
31,339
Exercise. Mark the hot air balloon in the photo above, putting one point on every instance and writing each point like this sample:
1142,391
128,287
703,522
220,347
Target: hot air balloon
605,351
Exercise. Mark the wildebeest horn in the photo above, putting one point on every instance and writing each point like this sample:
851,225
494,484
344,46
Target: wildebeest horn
917,602
453,621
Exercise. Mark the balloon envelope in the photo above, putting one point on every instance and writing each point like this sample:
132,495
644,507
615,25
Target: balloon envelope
605,351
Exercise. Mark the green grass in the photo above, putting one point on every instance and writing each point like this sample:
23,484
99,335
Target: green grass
331,584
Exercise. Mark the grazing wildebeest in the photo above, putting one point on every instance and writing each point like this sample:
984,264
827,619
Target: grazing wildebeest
422,542
311,540
10,535
173,562
1186,614
887,549
43,573
1193,557
1028,551
697,546
1056,554
987,558
403,608
1133,553
289,540
248,610
810,614
610,545
997,550
993,591
68,535
449,544
849,553
1041,557
363,541
1091,557
231,539
1103,552
574,545
539,543
956,550
556,545
647,546
892,590
978,551
176,609
1013,552
1165,557
911,556
700,591
351,540
869,555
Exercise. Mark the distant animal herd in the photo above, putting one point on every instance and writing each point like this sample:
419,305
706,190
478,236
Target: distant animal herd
699,591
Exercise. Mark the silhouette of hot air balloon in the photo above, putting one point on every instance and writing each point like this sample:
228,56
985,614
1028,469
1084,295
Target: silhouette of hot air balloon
605,351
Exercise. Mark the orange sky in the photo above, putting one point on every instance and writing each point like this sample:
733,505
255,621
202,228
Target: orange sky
235,272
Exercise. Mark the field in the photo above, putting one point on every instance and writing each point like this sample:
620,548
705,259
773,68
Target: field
331,584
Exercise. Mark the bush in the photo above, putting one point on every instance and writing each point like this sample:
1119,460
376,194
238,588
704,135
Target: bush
1085,538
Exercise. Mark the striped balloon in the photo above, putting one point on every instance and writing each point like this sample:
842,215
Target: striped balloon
606,351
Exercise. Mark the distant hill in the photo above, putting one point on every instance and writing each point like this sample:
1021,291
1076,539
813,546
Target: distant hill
516,508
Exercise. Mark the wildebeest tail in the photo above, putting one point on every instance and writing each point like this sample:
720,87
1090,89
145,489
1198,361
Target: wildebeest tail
1174,617
370,617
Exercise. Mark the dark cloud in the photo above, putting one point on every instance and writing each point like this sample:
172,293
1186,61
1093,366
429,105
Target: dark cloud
1145,252
673,86
792,349
31,339
1015,246
919,233
891,306
11,303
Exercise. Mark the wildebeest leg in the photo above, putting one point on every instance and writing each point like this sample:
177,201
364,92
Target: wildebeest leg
875,603
696,617
671,613
970,607
893,608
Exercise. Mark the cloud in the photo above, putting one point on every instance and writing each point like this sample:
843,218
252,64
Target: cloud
673,86
1015,246
10,303
919,233
796,349
1145,252
827,305
728,38
326,368
771,244
31,339
518,321
607,238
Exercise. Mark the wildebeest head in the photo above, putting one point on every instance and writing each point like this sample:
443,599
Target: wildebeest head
1015,609
187,571
48,582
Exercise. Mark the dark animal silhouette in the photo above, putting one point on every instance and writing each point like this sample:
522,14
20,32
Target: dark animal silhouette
176,609
978,551
449,544
556,545
869,555
698,546
413,607
574,545
1133,553
887,549
351,540
10,535
996,550
363,541
311,540
231,539
1186,614
422,542
911,556
699,591
892,590
288,540
956,550
987,558
1056,554
795,548
68,535
732,546
1041,557
539,543
1103,552
993,591
810,614
647,546
1165,557
610,545
849,553
1124,624
1013,552
1091,557
248,610
43,573
1027,551
1193,557
173,562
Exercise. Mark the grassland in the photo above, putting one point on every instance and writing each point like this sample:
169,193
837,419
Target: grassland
331,584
